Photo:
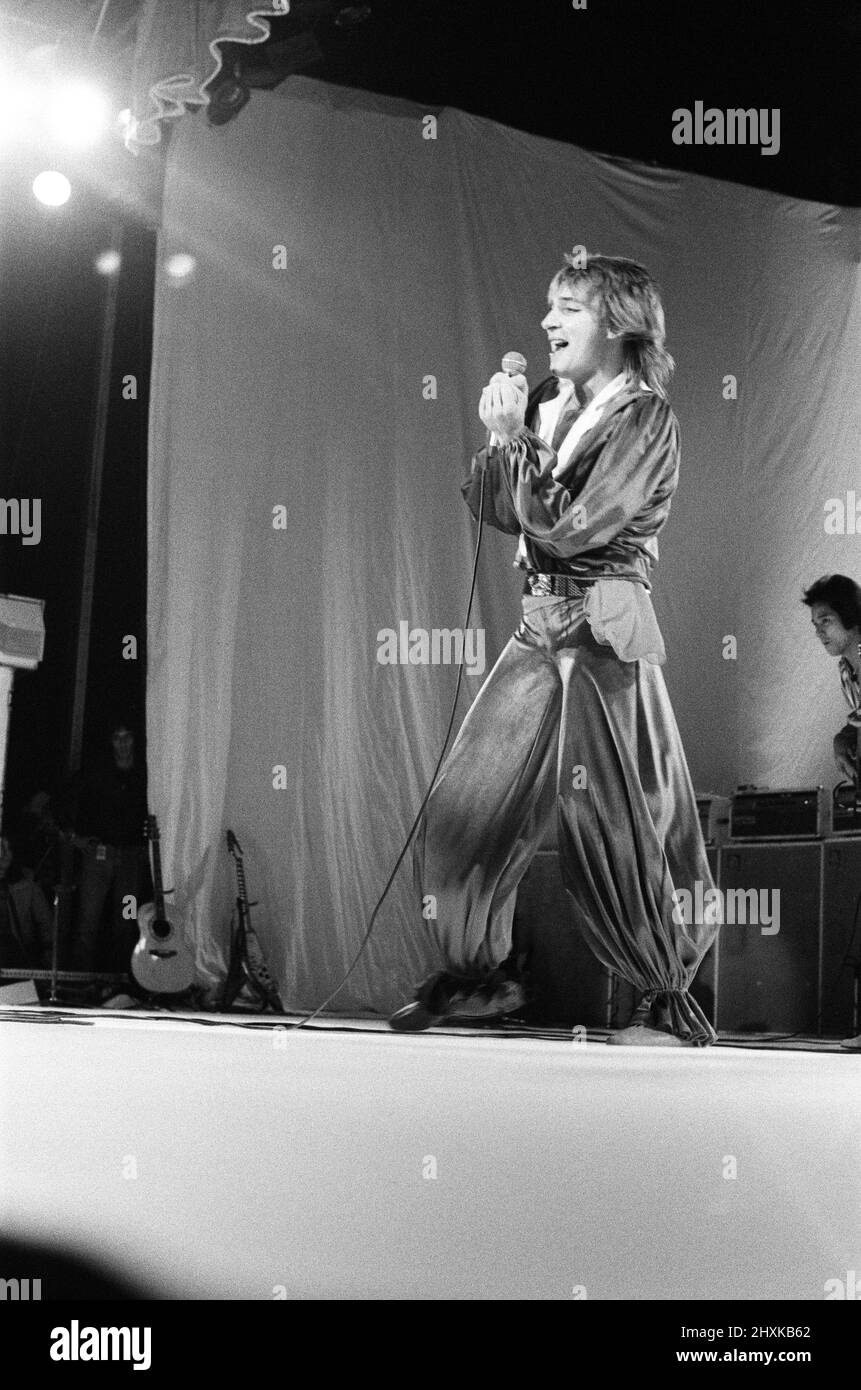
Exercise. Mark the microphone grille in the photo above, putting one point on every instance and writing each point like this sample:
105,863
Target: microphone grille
514,364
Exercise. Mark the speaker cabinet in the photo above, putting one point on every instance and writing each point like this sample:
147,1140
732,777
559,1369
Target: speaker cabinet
751,980
841,936
569,987
768,982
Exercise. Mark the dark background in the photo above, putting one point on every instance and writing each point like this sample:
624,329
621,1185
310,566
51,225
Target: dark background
605,78
52,310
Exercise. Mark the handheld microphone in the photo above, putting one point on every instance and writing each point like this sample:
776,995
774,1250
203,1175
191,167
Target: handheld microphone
514,364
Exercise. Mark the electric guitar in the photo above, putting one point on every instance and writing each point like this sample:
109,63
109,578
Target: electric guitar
161,961
247,967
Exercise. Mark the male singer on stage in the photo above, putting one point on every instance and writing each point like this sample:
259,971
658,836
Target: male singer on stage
574,720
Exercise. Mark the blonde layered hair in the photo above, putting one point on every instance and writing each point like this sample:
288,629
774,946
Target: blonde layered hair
631,307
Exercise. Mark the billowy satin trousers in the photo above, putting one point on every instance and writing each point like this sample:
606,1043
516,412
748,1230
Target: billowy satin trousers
564,727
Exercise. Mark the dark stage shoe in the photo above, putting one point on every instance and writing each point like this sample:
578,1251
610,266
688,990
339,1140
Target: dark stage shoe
444,1000
638,1035
414,1018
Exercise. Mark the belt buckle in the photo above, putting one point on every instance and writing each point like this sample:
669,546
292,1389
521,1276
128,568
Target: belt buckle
540,585
101,853
571,588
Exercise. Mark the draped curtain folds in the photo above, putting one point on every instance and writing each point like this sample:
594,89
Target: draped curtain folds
313,409
178,54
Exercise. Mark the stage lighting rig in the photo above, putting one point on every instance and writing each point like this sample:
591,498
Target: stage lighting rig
260,67
228,94
304,40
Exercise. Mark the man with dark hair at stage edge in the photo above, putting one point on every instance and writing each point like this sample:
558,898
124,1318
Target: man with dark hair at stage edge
574,720
835,611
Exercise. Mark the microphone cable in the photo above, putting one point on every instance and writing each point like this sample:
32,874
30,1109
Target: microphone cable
367,936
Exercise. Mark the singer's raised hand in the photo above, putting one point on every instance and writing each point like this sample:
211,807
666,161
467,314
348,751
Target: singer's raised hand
502,407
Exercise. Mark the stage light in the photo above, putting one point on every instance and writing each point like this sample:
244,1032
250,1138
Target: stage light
180,265
77,114
51,188
19,108
108,262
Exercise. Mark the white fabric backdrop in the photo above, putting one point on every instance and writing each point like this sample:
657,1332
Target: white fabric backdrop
303,387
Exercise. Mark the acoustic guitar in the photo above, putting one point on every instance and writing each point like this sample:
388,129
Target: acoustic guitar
161,961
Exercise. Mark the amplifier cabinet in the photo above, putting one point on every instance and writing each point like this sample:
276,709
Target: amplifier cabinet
845,811
841,936
767,981
752,980
568,985
786,814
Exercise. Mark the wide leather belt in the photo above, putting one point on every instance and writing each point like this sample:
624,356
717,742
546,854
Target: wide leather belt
560,585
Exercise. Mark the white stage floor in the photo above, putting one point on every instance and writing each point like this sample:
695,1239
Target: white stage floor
213,1159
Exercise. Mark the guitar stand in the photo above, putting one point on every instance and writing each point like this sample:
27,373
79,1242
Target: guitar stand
190,1000
62,891
247,967
237,980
